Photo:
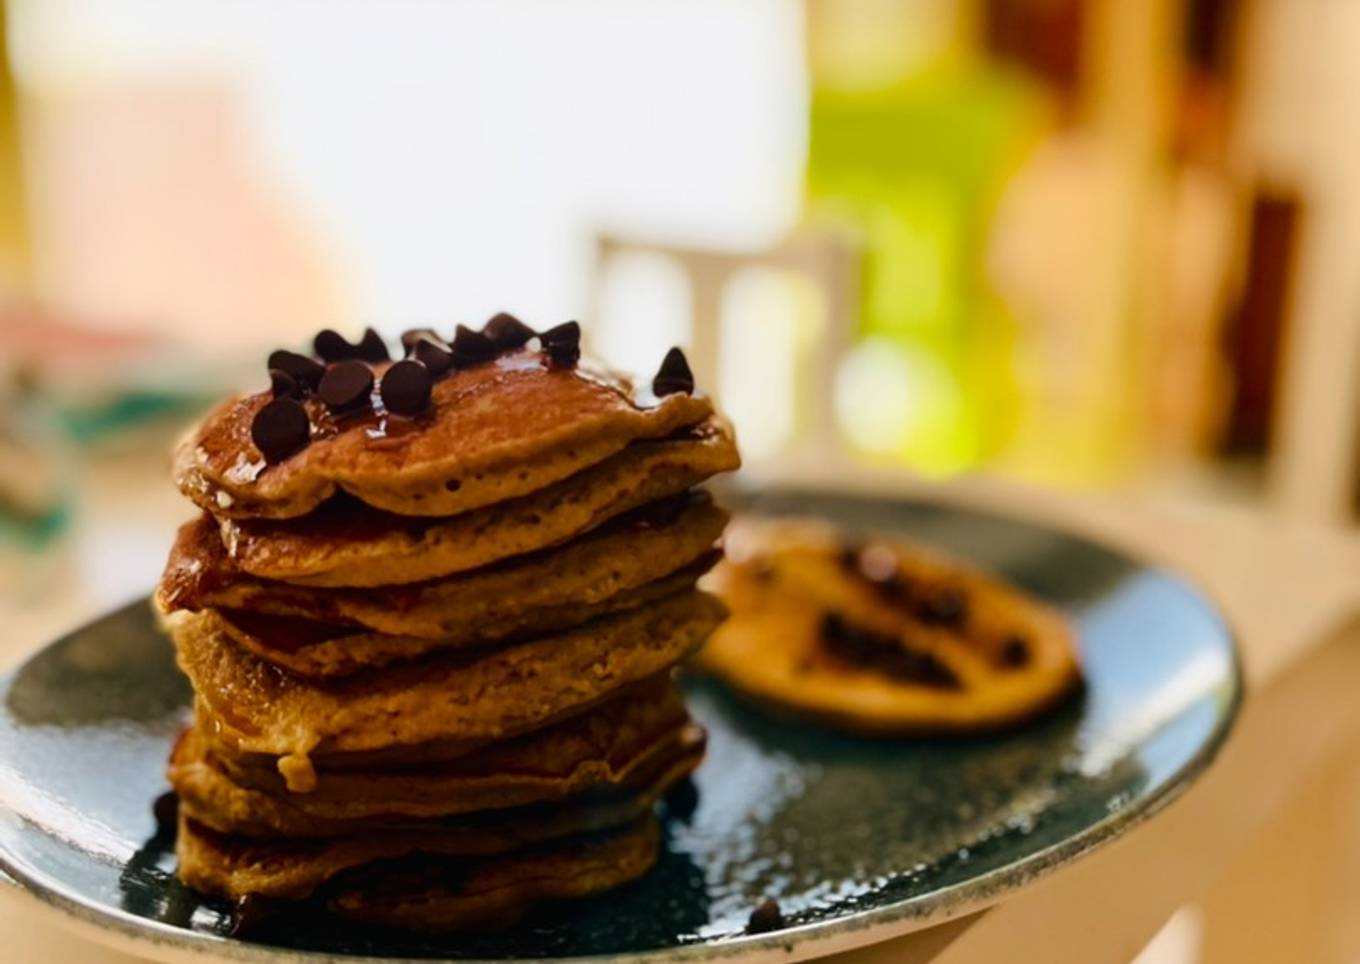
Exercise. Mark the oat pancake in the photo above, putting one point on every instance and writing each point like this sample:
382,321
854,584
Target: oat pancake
430,894
882,637
483,696
492,432
519,595
629,743
233,866
344,543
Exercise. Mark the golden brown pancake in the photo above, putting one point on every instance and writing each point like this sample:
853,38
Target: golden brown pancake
484,696
344,543
430,894
233,866
883,638
493,432
630,742
546,590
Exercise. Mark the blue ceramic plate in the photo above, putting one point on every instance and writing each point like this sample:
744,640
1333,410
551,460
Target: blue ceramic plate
858,840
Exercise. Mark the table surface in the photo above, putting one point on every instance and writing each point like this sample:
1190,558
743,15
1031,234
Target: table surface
1289,591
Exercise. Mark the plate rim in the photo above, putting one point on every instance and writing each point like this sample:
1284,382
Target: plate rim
131,932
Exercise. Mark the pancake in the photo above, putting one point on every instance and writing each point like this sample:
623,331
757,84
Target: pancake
627,743
882,638
344,543
517,596
480,697
430,894
494,431
233,866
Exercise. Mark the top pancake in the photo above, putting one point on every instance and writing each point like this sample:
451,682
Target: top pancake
494,431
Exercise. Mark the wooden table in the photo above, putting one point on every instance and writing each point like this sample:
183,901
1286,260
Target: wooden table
1266,846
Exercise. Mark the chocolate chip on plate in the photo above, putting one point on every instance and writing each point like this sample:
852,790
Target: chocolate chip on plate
682,799
283,385
303,369
506,331
562,344
280,429
250,913
166,812
346,386
434,354
371,347
405,388
673,376
471,347
765,918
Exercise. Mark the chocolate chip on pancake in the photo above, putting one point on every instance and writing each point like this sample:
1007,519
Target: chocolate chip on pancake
414,336
280,429
283,385
372,348
943,606
405,388
471,347
864,649
506,331
673,376
562,344
304,370
434,353
346,387
1014,653
331,346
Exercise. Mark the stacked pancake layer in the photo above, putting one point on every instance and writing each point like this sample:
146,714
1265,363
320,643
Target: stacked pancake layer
431,655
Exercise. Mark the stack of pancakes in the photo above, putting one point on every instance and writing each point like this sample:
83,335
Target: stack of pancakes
432,653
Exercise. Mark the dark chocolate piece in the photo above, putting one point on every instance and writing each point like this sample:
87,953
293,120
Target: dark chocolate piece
413,336
682,799
867,649
562,344
280,429
1015,652
673,376
283,385
471,347
435,354
944,606
166,812
331,346
765,918
507,332
405,388
371,347
346,386
250,913
303,369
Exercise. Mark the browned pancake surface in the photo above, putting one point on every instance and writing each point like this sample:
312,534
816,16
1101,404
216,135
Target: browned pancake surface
493,432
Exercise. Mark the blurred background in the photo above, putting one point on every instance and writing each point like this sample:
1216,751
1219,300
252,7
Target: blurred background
1092,244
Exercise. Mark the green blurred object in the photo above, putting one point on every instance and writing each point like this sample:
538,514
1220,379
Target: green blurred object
911,161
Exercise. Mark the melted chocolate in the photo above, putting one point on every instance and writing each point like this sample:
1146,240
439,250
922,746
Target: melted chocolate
866,649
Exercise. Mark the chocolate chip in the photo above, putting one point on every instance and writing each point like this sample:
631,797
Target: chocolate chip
1015,652
280,429
673,376
166,812
682,799
413,336
506,331
562,344
346,386
331,346
304,370
765,918
434,354
945,606
471,347
405,388
866,649
371,347
283,385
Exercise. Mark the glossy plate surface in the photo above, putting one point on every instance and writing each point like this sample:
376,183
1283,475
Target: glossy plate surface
858,840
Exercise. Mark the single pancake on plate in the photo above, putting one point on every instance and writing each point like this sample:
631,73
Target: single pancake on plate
882,636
